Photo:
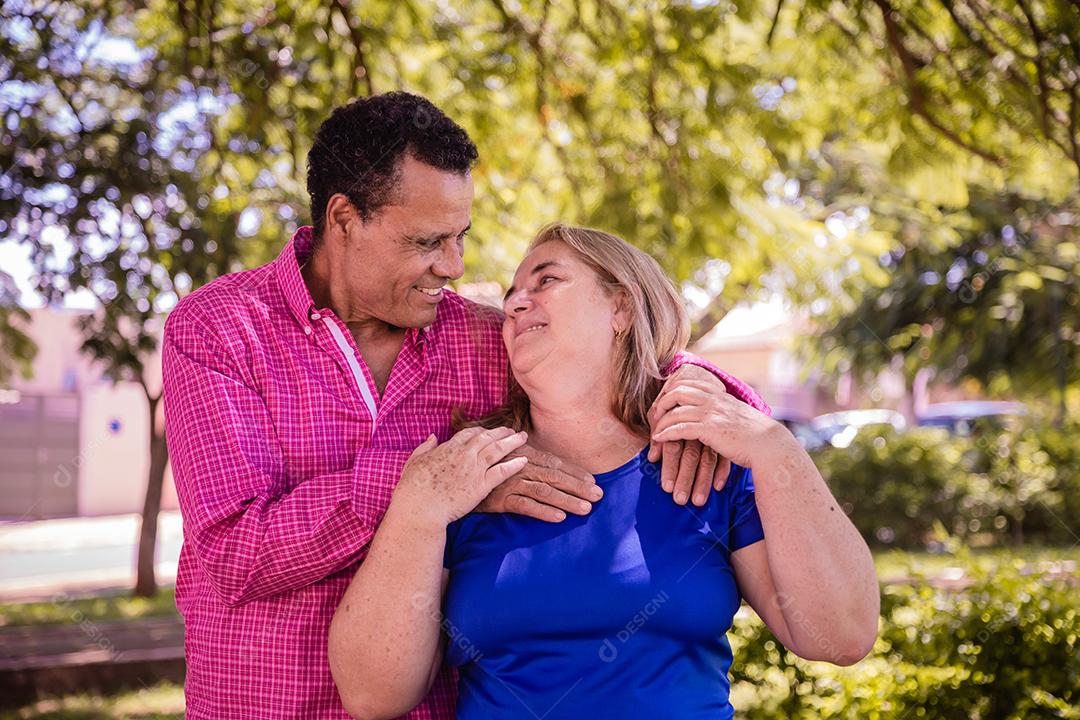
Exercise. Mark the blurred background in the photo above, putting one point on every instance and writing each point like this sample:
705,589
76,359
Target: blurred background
871,208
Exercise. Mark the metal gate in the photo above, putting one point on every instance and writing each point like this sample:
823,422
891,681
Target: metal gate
39,455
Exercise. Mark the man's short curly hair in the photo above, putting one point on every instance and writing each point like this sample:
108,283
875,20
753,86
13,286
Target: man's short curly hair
358,150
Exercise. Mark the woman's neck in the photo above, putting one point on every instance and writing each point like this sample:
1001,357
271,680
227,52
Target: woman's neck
580,427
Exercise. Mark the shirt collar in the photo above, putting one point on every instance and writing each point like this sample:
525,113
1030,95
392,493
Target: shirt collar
298,297
287,269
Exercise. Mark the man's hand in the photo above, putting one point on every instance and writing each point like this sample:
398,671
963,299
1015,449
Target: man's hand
547,488
689,468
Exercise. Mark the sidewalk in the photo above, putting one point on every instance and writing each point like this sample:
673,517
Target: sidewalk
41,558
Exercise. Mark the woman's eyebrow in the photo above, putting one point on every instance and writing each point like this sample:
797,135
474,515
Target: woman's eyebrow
546,264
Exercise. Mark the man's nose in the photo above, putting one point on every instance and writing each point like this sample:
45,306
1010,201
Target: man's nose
450,263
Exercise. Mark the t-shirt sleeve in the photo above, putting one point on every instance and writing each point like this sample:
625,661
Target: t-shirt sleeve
448,549
745,523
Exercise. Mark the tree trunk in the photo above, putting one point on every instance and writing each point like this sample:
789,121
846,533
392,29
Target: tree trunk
712,316
1018,529
145,581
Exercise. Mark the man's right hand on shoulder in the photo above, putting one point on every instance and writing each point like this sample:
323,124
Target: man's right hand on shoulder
547,488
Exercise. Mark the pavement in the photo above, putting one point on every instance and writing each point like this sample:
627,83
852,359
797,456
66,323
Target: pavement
41,558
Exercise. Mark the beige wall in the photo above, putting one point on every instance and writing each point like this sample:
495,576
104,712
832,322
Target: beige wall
115,463
751,365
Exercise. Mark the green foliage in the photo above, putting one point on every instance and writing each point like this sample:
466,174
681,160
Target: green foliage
161,701
1007,648
1016,484
104,607
15,345
103,178
1000,305
969,161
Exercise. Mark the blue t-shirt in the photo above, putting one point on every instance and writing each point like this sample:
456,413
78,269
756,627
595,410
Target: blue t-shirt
618,614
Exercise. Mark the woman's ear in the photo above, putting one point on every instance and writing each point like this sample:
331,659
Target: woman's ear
622,317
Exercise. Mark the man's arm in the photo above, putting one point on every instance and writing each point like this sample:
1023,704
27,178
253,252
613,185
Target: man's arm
733,385
549,487
251,534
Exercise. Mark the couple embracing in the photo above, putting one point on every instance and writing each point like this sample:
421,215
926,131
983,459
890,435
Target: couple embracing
399,503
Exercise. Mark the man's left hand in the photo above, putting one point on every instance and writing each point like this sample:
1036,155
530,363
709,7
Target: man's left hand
689,469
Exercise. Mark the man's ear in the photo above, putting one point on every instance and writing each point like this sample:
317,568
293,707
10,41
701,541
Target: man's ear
340,212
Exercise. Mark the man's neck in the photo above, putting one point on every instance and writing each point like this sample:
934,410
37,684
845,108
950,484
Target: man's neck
378,341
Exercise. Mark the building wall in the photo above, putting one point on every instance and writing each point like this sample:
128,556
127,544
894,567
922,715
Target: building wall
114,425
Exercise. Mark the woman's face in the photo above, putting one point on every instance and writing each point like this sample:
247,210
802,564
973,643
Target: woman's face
558,316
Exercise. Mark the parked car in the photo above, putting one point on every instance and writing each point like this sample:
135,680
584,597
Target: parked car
840,428
961,416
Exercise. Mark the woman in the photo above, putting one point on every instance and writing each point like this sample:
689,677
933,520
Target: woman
621,613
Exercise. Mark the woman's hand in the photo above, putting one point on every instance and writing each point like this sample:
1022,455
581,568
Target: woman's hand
441,483
730,427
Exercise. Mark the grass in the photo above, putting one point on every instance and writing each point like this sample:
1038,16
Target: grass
164,701
76,609
983,561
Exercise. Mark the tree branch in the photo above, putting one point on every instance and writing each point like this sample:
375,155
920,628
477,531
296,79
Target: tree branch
360,67
775,23
916,90
1040,70
714,313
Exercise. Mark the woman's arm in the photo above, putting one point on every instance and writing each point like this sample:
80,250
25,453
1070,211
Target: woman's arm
812,580
385,646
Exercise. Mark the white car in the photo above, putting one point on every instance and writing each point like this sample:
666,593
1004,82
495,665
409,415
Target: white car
840,428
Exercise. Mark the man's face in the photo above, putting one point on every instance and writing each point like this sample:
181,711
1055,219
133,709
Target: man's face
399,261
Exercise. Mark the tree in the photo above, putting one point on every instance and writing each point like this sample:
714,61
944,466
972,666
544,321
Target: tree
741,144
999,307
17,350
104,186
661,122
976,177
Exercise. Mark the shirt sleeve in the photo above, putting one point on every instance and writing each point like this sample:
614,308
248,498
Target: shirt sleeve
745,523
734,385
254,531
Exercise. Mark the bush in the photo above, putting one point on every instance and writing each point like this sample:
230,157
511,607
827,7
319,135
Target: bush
1007,648
999,485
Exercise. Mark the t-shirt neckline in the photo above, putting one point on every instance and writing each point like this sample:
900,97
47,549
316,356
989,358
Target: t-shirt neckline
627,468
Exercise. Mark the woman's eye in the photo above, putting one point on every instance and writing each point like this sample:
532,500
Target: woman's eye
543,280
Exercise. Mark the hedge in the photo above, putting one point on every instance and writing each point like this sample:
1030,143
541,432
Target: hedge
924,487
1006,648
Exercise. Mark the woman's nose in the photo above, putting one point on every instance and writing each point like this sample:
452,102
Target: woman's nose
517,302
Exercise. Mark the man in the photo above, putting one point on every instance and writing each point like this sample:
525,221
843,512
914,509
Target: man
295,392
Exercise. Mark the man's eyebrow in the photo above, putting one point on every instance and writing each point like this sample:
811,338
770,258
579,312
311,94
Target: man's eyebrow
542,266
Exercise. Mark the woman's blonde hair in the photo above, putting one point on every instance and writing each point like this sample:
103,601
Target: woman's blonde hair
658,329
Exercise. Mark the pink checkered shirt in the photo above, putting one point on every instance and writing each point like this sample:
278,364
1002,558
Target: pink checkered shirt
285,457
